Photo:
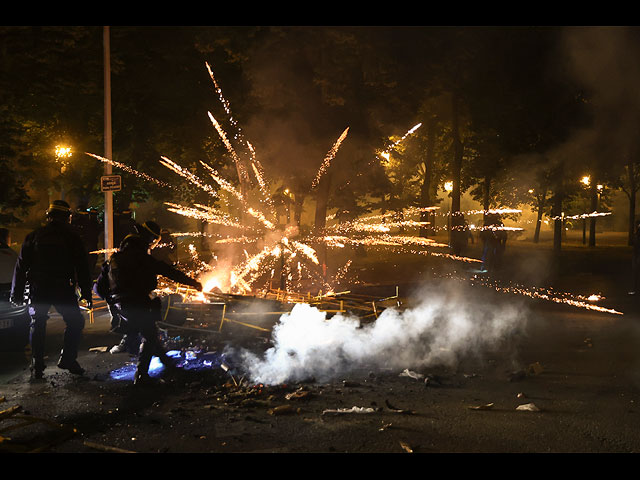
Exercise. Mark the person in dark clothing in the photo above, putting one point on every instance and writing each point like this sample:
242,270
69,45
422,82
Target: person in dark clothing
53,261
123,225
127,281
89,228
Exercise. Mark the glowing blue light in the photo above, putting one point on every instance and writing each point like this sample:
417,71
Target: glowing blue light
188,360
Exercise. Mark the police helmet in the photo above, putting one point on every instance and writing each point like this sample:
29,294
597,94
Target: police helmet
59,209
150,231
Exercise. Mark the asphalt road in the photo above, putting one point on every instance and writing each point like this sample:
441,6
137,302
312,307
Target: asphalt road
575,372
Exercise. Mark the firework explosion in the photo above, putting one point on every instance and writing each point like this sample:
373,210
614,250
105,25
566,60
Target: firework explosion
280,254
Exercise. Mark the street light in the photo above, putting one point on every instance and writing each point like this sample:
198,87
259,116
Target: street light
63,153
448,186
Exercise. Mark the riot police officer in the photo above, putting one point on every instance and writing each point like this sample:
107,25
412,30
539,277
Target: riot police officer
132,275
53,261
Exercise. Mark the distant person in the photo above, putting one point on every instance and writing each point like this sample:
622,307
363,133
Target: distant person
490,242
8,258
123,225
89,229
132,275
459,233
635,260
53,260
501,243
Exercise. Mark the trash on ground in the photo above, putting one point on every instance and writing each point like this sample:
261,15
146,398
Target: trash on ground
385,426
398,410
487,406
349,410
528,407
406,447
408,373
298,394
99,349
535,369
283,410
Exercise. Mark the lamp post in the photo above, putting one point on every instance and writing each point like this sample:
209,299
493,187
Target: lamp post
448,186
586,181
63,153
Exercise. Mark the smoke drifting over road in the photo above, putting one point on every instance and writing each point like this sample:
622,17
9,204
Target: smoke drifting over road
438,331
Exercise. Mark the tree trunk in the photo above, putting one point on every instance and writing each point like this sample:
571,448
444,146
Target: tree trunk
425,194
322,200
557,213
542,200
486,198
632,200
536,234
594,208
457,155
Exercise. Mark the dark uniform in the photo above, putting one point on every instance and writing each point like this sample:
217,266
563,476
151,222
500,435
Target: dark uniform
53,261
126,282
89,227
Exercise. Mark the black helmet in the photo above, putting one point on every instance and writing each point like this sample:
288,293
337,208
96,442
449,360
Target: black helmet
59,209
150,232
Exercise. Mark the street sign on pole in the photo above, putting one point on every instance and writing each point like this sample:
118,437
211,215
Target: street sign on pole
111,183
108,195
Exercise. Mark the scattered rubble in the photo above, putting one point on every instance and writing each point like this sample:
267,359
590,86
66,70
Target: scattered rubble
408,373
353,409
406,447
535,369
398,410
487,406
528,407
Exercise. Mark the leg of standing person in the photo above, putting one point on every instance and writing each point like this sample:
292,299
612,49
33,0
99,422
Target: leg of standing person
39,313
68,308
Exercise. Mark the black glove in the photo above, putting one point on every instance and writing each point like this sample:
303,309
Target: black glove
87,297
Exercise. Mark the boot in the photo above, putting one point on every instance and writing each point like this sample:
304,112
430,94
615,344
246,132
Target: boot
72,365
37,369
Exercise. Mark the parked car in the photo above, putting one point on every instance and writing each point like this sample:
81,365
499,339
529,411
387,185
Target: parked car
14,326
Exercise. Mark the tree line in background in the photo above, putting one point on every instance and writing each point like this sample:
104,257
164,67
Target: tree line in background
512,115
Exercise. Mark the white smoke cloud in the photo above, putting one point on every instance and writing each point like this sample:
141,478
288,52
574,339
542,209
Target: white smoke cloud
440,330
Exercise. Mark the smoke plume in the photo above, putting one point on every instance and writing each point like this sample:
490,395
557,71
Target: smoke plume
438,331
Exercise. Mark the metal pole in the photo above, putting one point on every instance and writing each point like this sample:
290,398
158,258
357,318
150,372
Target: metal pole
108,196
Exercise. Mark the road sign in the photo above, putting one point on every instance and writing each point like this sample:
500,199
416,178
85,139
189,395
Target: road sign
111,183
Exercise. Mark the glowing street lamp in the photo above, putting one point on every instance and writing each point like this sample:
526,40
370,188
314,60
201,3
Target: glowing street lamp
63,153
448,186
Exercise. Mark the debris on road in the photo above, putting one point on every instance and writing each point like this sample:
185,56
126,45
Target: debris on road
398,410
353,409
406,447
299,394
487,406
535,369
99,349
408,373
283,410
528,407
